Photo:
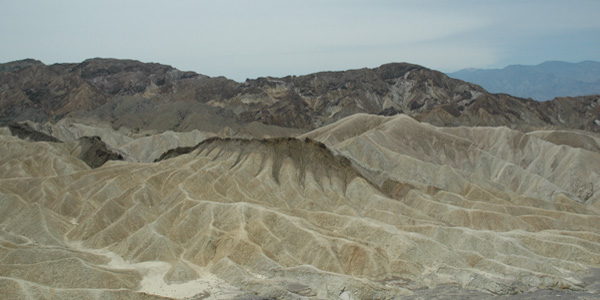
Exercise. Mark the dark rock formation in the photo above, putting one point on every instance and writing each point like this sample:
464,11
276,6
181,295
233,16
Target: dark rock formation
153,96
25,132
95,153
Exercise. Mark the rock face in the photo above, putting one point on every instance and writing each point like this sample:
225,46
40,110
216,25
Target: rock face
25,132
152,96
94,152
33,91
367,207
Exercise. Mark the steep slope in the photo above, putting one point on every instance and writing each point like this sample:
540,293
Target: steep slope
321,98
38,92
542,82
383,207
94,152
157,97
451,158
24,131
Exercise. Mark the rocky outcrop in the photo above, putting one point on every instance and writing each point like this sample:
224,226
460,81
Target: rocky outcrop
23,131
94,152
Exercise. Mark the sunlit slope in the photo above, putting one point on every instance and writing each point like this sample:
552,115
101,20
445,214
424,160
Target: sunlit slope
498,160
384,206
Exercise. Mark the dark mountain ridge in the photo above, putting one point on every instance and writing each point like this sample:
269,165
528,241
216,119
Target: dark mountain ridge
154,96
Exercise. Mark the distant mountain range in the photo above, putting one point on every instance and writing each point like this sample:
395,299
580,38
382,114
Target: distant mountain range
542,82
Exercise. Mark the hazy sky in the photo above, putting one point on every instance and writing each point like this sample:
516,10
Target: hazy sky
248,39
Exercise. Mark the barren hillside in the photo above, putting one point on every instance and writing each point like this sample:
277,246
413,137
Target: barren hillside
367,207
150,96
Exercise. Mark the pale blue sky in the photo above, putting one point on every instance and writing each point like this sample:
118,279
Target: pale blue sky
248,39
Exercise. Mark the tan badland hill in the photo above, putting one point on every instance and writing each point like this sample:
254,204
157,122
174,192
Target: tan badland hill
368,207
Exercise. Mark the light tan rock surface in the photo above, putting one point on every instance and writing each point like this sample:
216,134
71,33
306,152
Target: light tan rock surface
146,146
382,208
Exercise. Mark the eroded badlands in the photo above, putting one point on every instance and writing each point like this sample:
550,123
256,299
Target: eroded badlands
368,207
